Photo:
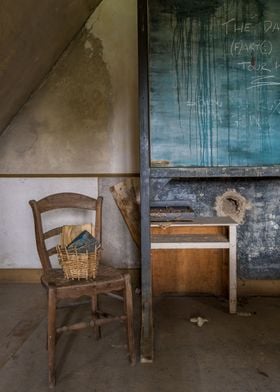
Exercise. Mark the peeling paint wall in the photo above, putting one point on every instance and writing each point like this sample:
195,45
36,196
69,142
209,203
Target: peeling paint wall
33,34
66,125
120,55
83,119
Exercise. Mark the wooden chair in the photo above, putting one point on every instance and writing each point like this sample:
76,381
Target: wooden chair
58,288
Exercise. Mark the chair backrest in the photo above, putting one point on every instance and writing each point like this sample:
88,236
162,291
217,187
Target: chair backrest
61,201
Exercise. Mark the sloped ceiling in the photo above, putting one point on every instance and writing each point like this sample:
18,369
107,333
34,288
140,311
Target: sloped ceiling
33,35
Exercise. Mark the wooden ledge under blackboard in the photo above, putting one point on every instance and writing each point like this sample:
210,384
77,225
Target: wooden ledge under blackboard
240,171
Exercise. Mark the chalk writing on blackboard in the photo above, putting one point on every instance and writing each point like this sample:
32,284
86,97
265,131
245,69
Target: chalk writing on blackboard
214,82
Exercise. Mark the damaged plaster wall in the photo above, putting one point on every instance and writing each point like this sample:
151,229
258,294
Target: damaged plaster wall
33,36
233,204
258,233
65,124
120,55
83,119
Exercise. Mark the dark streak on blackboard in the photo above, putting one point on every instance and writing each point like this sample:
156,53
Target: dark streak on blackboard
223,118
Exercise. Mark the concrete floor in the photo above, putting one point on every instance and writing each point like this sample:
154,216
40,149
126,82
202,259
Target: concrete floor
230,353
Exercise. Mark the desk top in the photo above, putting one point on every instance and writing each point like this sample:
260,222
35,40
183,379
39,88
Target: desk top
198,221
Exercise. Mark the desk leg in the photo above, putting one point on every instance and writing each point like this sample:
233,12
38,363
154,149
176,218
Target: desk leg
232,270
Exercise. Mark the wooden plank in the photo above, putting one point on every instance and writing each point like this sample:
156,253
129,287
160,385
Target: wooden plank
189,271
182,236
200,221
177,238
52,232
182,229
69,232
190,245
66,200
206,172
126,195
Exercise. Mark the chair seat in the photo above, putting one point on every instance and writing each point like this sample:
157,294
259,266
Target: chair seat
107,278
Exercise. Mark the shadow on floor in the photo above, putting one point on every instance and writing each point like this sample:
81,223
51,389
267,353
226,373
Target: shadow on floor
229,353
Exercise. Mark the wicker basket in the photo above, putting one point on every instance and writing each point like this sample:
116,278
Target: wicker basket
78,265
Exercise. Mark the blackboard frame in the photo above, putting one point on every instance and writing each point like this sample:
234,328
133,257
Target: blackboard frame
206,172
186,171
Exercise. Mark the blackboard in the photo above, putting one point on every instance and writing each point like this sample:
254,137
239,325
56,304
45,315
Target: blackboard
214,78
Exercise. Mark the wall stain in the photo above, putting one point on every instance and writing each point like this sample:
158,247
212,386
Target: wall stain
65,126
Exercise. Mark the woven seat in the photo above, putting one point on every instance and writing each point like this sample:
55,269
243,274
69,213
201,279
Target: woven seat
105,274
58,288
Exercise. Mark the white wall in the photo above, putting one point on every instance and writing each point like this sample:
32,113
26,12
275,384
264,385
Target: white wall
17,239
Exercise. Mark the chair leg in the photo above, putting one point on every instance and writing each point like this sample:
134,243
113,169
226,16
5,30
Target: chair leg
94,308
128,308
51,335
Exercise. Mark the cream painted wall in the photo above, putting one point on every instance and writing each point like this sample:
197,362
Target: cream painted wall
17,239
84,117
120,54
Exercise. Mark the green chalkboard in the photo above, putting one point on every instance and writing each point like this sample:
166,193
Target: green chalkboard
214,78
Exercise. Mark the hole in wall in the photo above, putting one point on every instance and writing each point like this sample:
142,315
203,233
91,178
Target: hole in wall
232,204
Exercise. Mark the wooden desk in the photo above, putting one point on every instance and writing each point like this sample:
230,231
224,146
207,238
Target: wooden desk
200,233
